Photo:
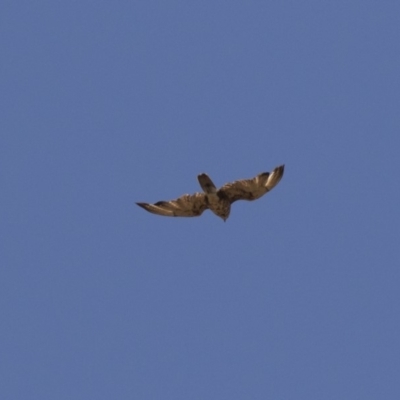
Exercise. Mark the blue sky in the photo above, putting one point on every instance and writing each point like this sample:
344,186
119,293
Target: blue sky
104,104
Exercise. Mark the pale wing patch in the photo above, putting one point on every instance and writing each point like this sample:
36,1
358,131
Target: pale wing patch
185,206
275,177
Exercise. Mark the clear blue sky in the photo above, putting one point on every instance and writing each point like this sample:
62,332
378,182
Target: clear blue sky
104,104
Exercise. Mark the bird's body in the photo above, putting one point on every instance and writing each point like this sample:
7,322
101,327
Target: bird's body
219,205
218,201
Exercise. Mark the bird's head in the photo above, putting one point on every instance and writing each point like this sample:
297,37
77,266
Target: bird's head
225,215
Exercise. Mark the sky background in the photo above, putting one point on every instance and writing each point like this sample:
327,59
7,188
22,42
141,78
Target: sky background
107,103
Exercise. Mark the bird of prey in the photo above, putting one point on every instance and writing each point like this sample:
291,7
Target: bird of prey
217,200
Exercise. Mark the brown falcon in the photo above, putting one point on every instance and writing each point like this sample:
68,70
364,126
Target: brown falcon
217,200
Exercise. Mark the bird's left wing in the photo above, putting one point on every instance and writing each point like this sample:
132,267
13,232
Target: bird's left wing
252,189
185,206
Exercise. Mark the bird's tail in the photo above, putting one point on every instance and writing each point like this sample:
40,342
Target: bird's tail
207,184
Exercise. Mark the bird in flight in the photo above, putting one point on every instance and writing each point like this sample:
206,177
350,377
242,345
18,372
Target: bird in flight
217,200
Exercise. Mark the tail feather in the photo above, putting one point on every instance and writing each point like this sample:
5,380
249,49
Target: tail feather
207,184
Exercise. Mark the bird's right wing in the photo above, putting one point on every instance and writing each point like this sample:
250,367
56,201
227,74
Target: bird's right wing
185,206
252,189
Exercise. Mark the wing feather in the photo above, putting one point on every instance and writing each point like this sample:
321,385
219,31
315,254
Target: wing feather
184,206
252,189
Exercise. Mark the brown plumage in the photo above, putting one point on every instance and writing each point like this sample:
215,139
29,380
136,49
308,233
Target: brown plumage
217,200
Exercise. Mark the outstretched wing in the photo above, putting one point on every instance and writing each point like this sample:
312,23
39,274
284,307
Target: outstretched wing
252,189
185,206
